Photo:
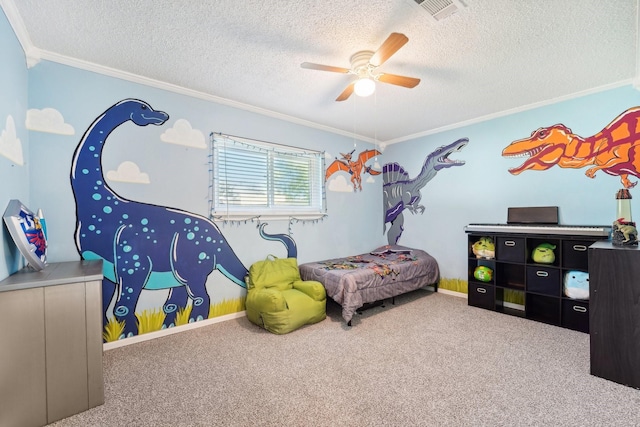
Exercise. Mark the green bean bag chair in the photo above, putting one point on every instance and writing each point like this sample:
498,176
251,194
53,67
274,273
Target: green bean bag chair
278,300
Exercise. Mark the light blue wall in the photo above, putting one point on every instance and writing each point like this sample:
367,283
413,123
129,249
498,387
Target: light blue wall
14,177
483,189
478,192
179,175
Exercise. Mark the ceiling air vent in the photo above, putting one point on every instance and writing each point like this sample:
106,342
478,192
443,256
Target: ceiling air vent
437,10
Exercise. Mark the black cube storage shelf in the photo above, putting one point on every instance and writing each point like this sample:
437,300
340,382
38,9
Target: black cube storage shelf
537,288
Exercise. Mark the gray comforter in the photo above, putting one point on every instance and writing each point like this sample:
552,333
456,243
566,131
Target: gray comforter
384,273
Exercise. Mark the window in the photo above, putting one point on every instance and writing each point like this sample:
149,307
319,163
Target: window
255,178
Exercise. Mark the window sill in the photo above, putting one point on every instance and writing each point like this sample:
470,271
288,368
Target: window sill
306,216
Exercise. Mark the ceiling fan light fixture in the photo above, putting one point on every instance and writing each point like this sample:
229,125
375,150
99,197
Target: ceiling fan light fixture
364,87
364,64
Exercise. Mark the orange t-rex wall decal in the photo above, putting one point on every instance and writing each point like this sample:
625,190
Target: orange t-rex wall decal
614,150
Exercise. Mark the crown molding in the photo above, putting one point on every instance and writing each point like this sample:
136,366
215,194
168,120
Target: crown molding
513,111
31,53
34,56
135,78
112,72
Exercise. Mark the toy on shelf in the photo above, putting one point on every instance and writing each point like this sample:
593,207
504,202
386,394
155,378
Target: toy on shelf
28,232
624,232
543,253
576,284
483,273
484,248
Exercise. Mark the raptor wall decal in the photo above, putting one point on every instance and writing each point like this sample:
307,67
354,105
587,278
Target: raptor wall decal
401,192
354,168
145,246
615,149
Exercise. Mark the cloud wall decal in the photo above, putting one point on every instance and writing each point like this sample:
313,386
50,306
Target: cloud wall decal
128,172
48,120
183,134
10,145
340,184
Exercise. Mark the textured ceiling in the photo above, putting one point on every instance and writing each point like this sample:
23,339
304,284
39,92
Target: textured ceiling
491,57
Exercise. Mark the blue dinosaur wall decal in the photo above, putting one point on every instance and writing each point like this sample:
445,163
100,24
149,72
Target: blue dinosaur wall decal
401,192
146,246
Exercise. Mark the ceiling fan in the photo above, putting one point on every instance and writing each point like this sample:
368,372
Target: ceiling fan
364,64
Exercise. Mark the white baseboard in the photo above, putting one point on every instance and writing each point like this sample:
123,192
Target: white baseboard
164,332
454,293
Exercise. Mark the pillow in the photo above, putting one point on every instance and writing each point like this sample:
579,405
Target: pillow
391,249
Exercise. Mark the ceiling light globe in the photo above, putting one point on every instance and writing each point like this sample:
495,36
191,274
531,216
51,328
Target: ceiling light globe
364,87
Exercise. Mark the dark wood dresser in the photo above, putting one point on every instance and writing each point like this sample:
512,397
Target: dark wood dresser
614,319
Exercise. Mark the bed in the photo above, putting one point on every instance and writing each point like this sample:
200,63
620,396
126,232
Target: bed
383,273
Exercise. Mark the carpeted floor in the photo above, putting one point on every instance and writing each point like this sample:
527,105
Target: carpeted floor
430,360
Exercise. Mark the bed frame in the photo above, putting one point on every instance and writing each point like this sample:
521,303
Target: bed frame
364,281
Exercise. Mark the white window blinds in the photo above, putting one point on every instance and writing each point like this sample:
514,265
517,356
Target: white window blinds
256,178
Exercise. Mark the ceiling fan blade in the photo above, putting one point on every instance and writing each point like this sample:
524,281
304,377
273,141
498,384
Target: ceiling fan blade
398,80
346,93
321,67
390,46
